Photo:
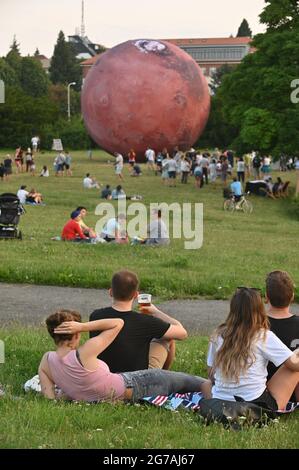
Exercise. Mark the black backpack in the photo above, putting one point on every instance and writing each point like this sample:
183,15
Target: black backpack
234,414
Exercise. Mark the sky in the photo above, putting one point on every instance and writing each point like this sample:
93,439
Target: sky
36,23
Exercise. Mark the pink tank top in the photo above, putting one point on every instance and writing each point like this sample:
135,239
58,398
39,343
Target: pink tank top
82,384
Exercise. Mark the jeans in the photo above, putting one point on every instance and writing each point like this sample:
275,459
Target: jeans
151,382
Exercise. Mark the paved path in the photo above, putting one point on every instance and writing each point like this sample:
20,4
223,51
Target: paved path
30,304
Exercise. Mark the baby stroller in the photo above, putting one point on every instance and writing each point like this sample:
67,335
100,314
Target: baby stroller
10,211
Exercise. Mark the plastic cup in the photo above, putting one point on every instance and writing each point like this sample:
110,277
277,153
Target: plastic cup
144,300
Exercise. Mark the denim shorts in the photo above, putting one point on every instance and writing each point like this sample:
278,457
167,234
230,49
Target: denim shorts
152,382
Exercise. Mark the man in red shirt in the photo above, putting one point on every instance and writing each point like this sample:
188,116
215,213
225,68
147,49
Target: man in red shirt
72,230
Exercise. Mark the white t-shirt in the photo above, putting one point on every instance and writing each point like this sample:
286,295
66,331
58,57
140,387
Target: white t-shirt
267,161
22,194
87,183
150,155
185,166
119,162
241,166
111,227
172,166
297,165
252,384
157,230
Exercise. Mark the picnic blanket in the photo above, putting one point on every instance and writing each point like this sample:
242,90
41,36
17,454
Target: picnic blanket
191,401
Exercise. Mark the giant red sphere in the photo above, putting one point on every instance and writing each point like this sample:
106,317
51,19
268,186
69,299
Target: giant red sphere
145,93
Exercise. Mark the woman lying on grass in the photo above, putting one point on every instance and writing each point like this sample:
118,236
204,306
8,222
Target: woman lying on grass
80,375
240,351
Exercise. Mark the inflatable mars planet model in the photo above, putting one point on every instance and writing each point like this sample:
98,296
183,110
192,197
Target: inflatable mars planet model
145,93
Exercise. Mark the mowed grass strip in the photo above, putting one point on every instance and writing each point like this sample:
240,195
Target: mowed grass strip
238,249
30,421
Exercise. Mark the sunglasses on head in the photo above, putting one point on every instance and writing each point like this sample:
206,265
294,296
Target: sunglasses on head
256,289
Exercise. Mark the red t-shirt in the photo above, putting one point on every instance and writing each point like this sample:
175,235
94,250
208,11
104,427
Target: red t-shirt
72,230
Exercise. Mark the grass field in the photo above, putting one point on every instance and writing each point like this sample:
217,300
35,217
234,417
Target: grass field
238,249
32,422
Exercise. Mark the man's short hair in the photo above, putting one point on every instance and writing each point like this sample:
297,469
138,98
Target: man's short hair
54,320
279,289
124,285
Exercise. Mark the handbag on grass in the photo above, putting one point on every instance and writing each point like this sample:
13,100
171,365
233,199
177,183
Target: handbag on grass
234,414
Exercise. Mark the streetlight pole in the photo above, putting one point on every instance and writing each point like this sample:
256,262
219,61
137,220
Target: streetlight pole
69,99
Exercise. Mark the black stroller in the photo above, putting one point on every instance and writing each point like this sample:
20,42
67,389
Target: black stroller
10,211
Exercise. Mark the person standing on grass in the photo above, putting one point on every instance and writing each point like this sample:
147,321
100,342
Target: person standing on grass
119,165
81,376
185,169
172,167
132,158
204,165
212,171
8,165
147,339
198,176
150,157
28,159
164,174
19,160
67,163
240,351
224,169
279,296
241,170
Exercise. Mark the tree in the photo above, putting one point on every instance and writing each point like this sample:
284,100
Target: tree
244,30
280,14
218,75
13,57
256,95
33,78
8,74
64,66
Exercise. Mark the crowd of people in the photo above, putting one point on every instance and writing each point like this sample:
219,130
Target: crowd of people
252,356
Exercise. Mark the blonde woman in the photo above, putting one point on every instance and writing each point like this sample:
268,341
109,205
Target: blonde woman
239,353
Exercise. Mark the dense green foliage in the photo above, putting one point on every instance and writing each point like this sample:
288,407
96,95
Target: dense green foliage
255,98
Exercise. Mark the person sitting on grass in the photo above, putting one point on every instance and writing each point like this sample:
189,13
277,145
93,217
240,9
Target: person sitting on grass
118,193
136,170
147,339
106,193
239,353
90,183
279,296
45,172
157,230
72,230
114,231
81,376
89,232
33,197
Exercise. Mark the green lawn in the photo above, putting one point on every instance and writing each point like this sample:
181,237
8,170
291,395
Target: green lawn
237,249
29,421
